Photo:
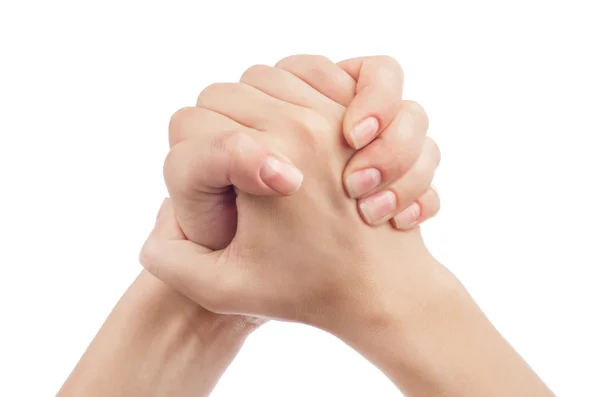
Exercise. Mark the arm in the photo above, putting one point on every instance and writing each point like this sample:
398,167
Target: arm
440,343
378,290
156,342
418,325
152,324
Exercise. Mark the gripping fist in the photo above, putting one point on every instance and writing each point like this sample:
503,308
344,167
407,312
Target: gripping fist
295,257
210,151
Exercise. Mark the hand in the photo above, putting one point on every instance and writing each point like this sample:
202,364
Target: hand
157,342
337,267
207,156
391,131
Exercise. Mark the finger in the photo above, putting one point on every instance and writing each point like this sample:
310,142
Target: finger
427,206
287,87
193,122
244,104
398,195
321,74
379,83
187,267
389,156
199,174
216,161
209,215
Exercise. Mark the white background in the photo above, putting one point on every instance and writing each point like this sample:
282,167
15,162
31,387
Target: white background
86,92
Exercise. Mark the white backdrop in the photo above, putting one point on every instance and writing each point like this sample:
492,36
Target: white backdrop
86,92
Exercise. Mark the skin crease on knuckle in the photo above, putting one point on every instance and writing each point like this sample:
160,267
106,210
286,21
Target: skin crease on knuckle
293,89
211,97
309,64
323,75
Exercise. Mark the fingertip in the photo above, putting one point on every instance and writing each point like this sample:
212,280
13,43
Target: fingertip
408,218
429,206
281,176
363,132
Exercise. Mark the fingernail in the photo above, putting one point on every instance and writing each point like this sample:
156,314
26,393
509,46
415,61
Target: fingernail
364,132
281,176
407,218
378,207
363,181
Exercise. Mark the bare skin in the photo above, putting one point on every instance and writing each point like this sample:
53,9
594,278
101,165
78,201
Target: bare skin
310,258
156,341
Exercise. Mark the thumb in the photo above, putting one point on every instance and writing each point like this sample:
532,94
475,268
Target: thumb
211,164
200,172
187,267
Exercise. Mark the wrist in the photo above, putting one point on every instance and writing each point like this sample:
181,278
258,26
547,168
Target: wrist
394,324
157,342
430,338
393,289
162,306
198,345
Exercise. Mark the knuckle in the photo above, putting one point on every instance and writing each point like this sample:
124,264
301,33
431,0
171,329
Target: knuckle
149,257
302,59
311,127
255,72
215,89
228,141
417,112
177,124
285,63
236,144
390,63
393,160
309,67
178,172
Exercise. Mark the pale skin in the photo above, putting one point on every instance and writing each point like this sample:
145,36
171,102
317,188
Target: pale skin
156,342
376,288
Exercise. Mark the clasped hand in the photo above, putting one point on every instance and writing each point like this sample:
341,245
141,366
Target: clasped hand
264,177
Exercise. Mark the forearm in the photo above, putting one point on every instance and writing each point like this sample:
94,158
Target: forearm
441,344
157,343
